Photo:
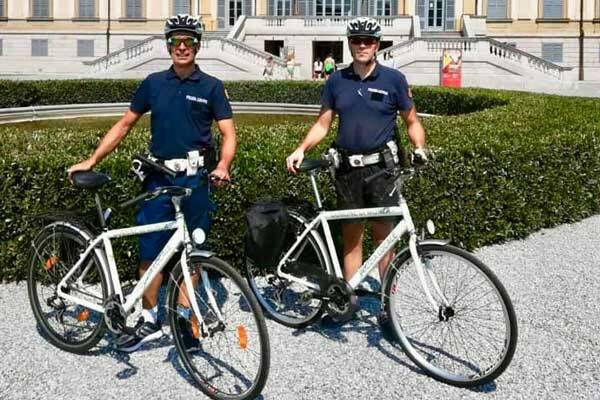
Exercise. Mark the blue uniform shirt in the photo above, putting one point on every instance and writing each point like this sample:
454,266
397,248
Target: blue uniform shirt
182,110
367,108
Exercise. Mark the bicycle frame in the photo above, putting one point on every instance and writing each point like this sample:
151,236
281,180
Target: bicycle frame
403,227
179,238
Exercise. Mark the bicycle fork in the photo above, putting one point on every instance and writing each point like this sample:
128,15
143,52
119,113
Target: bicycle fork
426,268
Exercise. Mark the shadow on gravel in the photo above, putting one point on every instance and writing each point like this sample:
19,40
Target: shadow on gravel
366,324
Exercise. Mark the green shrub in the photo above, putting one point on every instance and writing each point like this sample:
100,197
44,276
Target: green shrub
499,174
38,93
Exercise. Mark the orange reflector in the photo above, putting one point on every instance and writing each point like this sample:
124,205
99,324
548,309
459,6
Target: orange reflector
50,263
83,315
242,337
195,327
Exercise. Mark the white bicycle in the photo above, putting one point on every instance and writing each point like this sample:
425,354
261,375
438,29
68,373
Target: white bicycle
449,312
75,293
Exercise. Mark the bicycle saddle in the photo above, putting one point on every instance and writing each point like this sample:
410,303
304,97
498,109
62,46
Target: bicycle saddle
309,165
89,179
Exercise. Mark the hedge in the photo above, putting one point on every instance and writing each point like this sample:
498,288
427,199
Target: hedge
39,93
530,162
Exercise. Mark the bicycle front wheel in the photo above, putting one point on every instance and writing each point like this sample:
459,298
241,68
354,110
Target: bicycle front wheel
469,337
66,324
229,357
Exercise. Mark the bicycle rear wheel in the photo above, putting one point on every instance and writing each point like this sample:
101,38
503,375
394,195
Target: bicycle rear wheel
467,343
65,324
229,360
290,303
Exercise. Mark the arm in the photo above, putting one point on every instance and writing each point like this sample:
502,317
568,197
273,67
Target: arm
416,133
108,143
317,133
228,147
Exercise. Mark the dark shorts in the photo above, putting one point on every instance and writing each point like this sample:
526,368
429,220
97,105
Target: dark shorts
353,192
196,208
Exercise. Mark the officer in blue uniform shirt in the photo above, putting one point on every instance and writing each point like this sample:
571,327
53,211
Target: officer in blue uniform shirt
184,102
367,97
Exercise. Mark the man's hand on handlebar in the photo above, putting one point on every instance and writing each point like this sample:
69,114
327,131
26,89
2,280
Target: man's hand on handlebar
294,160
420,156
219,176
85,165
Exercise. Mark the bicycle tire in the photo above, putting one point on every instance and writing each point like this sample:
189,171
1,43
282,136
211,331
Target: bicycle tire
448,358
233,294
279,298
54,252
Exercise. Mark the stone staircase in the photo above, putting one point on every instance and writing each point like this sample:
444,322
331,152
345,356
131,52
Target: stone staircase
224,58
485,63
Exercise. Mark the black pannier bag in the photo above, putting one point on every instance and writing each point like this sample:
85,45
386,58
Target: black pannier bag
266,228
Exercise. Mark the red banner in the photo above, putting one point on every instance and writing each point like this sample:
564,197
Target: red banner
451,68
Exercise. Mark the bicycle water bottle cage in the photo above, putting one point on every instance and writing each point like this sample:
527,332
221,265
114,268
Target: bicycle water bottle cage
89,179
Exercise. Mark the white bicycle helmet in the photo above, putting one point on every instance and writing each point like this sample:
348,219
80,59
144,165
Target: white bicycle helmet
183,22
363,27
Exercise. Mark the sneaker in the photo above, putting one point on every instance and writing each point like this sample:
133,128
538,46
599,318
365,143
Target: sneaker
142,332
387,329
190,343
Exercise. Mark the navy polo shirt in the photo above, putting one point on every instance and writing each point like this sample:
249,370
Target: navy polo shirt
182,110
367,108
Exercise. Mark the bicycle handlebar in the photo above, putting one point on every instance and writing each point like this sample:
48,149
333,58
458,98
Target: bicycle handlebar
171,190
155,166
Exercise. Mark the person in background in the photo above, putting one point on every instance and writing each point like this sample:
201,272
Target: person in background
317,69
268,71
329,65
290,65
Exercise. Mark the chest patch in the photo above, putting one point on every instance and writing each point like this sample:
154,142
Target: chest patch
196,99
379,91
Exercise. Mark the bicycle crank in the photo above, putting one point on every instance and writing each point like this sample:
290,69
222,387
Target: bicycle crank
340,300
115,316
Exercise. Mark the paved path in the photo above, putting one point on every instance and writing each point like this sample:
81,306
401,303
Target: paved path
552,278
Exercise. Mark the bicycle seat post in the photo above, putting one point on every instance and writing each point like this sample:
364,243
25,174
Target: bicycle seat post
313,181
100,211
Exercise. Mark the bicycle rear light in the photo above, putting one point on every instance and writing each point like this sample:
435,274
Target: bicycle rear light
50,263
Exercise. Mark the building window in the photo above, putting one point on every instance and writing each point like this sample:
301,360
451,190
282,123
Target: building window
86,8
40,8
134,9
497,9
337,7
85,48
182,7
2,7
552,52
39,47
553,9
383,7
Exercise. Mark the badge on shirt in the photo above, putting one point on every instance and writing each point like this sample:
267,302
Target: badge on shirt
377,94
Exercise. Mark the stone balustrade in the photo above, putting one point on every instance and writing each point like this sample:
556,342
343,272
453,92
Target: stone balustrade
479,48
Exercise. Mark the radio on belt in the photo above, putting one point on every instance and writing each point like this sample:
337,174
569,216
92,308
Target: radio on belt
195,161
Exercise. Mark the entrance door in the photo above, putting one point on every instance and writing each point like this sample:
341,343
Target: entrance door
322,49
434,15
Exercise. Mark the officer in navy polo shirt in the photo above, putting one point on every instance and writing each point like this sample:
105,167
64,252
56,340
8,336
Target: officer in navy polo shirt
184,102
367,97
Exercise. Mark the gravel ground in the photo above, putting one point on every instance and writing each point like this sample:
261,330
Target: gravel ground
551,277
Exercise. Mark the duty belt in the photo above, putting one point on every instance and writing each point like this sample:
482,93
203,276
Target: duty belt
361,160
189,165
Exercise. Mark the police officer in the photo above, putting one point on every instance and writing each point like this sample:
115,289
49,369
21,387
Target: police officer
367,97
184,102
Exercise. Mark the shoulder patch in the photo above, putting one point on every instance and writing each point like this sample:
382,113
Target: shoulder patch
409,93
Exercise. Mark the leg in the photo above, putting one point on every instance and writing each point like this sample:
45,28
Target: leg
352,234
380,231
150,297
